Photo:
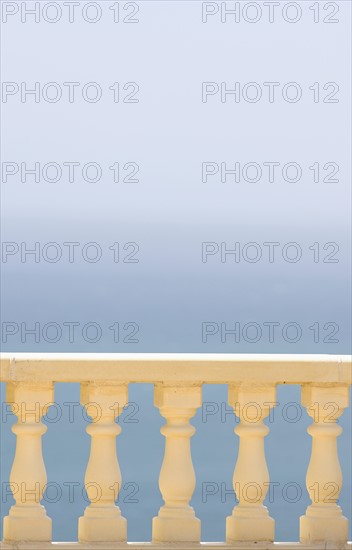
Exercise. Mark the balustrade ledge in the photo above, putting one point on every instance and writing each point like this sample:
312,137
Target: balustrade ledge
176,368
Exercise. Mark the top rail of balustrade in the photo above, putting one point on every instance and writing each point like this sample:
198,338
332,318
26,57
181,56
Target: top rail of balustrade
176,368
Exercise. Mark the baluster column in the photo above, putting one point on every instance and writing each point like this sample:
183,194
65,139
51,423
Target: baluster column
102,520
27,519
250,520
176,521
323,520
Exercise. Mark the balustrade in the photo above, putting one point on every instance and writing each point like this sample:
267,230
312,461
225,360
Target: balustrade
178,381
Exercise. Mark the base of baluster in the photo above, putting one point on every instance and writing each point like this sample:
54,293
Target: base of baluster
176,525
250,523
27,523
102,524
323,523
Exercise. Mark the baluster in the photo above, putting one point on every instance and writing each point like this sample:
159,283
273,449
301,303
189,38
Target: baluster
27,519
250,520
102,520
176,520
323,520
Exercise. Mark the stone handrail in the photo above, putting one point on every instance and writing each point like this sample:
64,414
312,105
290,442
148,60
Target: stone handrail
178,380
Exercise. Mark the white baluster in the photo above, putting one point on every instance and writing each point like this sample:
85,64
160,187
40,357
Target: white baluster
250,520
323,520
102,520
176,520
27,519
